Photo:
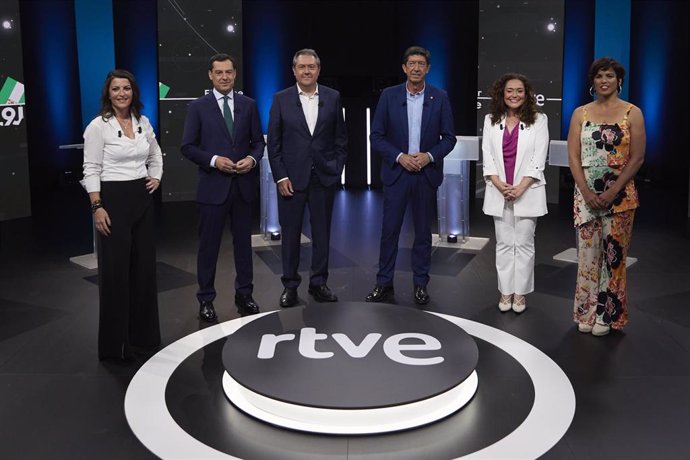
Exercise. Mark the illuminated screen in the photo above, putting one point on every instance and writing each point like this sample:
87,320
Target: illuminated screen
14,166
526,38
189,33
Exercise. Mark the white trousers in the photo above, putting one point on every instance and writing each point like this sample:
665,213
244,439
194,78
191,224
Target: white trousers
515,252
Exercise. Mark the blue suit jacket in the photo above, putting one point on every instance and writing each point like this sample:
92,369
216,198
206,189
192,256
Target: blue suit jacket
205,135
292,150
390,134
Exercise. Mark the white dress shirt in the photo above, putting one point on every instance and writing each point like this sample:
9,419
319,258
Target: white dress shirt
310,106
109,155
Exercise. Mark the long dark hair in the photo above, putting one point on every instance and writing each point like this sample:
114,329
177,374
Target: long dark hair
497,107
106,112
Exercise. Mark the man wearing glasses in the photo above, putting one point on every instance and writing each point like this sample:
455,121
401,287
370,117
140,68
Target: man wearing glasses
412,131
307,149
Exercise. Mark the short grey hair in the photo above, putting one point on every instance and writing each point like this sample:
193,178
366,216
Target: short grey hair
308,52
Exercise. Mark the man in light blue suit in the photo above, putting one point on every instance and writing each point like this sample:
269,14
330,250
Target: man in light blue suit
222,136
412,131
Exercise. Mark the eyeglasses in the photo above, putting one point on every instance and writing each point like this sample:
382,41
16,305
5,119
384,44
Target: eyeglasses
413,64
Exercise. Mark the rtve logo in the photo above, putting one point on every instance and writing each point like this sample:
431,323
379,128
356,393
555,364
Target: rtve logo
393,346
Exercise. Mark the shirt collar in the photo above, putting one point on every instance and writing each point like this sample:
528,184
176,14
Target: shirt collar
218,95
421,93
302,93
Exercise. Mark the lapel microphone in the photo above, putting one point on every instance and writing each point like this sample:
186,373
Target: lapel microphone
119,133
501,126
522,126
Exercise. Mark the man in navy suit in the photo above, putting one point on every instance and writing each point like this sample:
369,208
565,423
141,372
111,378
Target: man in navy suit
222,135
307,149
412,131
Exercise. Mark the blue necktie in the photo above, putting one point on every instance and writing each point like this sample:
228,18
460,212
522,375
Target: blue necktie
227,114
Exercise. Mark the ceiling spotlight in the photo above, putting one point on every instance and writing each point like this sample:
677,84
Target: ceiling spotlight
551,27
6,24
231,28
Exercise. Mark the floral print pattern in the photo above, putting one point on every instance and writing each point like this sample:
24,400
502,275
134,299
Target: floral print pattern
603,183
600,293
607,137
613,253
603,234
608,306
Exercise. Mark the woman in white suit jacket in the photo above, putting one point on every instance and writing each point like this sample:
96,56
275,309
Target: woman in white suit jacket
514,147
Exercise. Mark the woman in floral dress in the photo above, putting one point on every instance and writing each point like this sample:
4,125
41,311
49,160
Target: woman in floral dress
606,147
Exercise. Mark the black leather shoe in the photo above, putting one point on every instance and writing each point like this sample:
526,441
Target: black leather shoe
288,298
322,294
380,294
207,312
246,304
421,297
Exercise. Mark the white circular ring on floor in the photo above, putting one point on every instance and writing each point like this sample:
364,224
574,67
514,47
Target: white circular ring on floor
551,414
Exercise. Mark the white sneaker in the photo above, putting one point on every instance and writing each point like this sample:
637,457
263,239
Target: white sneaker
519,304
600,329
506,303
584,328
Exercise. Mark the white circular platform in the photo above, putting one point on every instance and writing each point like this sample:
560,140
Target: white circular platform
350,421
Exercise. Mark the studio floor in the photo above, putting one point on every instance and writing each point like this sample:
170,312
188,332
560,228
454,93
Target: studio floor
59,401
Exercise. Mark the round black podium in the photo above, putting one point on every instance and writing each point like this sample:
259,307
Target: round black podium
350,368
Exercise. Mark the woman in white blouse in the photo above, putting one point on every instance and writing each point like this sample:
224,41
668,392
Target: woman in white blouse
123,166
514,147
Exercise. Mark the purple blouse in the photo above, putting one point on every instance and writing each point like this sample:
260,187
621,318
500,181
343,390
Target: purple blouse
510,142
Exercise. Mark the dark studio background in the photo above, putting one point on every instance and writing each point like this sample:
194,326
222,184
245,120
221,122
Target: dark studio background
361,53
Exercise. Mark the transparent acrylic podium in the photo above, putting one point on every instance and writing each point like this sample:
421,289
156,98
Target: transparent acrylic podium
269,225
453,198
558,156
90,260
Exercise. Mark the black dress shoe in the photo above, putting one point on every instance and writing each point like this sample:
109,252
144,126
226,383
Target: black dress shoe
288,298
246,304
380,294
322,294
421,297
207,312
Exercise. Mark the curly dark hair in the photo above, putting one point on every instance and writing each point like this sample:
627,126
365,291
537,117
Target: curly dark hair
606,63
106,112
497,107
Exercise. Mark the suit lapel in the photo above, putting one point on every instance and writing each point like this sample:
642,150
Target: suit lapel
523,141
497,134
402,103
238,110
300,110
427,107
321,110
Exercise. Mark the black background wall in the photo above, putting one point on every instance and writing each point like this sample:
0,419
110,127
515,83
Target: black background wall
360,43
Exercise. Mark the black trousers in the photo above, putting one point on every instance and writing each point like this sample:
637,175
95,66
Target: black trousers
319,199
127,271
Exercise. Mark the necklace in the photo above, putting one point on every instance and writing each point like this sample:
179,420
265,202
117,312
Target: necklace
124,123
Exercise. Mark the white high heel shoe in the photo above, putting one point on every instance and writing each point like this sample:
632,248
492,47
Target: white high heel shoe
519,303
506,303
